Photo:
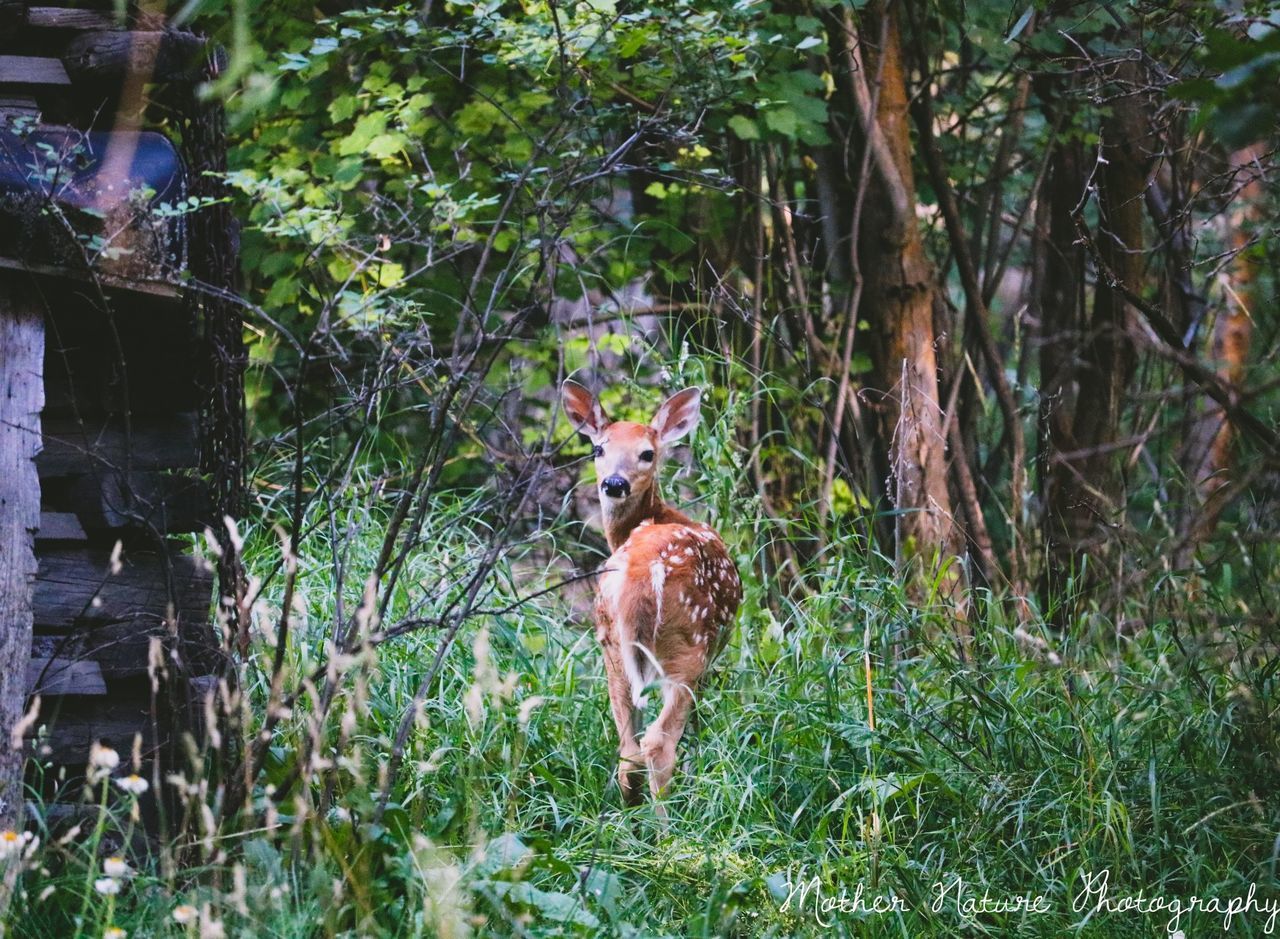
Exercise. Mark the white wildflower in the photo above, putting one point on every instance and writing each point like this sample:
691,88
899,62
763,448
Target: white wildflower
134,784
107,886
186,913
102,760
12,842
114,932
115,867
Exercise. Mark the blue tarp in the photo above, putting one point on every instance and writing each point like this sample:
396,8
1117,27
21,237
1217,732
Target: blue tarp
72,199
90,170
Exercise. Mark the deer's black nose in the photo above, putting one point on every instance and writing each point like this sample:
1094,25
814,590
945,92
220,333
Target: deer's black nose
615,487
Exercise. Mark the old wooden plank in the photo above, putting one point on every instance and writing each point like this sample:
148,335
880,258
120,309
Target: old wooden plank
155,288
32,70
125,650
21,398
153,442
161,56
78,587
69,18
169,502
60,526
119,651
159,500
47,676
75,724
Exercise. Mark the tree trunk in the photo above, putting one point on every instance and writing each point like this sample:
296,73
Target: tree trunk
1207,453
21,399
1059,277
1089,492
898,291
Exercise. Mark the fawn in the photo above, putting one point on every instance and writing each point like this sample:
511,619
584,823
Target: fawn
667,594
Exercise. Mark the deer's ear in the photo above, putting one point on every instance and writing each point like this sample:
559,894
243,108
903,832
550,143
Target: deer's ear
583,409
678,416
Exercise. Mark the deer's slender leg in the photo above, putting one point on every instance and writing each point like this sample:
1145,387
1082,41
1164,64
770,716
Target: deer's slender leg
658,745
630,762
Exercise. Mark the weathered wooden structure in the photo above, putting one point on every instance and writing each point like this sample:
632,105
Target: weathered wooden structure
120,421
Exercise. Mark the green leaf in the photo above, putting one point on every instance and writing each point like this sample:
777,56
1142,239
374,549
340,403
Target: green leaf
632,42
342,107
605,886
558,907
390,274
385,146
782,121
503,854
367,127
744,128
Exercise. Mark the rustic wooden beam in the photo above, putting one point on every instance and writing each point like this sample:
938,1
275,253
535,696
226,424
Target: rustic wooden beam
96,445
78,587
168,56
124,650
60,526
118,652
155,288
21,398
48,677
76,724
70,18
32,70
169,502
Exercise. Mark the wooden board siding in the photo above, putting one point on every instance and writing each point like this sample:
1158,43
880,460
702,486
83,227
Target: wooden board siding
21,398
27,70
123,339
60,526
75,587
47,677
117,652
162,56
79,723
76,448
155,288
69,18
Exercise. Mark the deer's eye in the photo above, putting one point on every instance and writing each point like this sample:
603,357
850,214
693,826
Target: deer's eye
646,456
597,451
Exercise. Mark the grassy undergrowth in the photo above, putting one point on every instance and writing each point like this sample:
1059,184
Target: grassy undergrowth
841,738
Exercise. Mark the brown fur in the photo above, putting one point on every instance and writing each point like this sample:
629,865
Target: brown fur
667,595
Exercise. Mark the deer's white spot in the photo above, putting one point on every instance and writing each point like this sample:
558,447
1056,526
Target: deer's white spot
658,577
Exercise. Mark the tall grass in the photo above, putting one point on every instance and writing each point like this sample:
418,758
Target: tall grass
843,736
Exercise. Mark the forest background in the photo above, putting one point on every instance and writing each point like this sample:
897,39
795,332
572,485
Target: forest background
980,297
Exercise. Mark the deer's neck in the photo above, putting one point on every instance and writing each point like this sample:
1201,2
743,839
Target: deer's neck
621,520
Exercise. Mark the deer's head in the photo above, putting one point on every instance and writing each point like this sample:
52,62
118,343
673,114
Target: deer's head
626,453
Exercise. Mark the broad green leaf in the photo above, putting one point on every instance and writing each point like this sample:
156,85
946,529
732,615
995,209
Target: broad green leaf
744,128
